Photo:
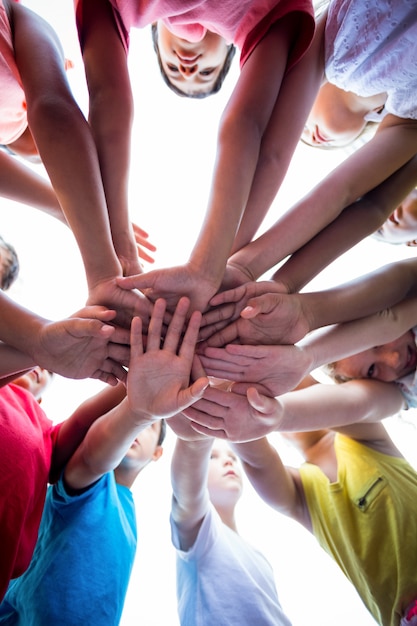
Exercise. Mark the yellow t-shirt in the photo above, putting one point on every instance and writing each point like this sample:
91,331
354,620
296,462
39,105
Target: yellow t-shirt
367,521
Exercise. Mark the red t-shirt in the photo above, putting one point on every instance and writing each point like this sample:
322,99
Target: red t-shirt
27,438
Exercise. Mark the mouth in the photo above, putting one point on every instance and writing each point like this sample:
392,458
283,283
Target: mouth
187,60
318,137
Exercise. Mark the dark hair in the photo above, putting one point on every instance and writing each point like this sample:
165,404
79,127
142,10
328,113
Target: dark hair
162,433
9,268
231,50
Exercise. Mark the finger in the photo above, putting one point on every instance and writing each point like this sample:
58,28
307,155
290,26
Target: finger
227,335
176,325
144,256
136,340
219,434
96,311
261,304
121,336
155,326
259,402
119,353
189,341
136,281
231,295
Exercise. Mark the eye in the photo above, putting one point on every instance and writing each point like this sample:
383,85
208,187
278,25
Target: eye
172,68
371,371
207,72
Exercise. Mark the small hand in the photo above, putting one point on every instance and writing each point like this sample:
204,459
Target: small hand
277,368
83,346
171,284
270,318
126,303
234,416
159,375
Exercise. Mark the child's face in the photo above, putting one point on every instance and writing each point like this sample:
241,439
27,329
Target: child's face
145,447
35,381
225,474
388,362
331,124
401,226
192,67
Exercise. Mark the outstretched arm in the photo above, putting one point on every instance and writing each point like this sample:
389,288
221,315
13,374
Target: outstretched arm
246,413
275,483
190,500
158,386
21,184
268,316
254,150
110,116
84,345
379,189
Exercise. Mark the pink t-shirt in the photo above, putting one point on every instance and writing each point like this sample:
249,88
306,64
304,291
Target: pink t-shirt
243,23
13,117
26,442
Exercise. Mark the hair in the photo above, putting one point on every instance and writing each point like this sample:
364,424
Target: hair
330,370
231,50
9,268
162,433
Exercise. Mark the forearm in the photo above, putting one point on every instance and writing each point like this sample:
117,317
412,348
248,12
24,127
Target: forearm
105,444
345,339
383,288
64,141
21,184
189,469
13,363
19,327
332,406
280,139
267,474
356,222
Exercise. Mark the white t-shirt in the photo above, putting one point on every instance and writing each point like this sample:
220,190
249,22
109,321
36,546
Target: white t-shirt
224,581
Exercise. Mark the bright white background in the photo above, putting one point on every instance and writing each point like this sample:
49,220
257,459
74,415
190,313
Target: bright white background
173,150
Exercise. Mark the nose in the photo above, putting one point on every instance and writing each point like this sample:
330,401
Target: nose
188,70
390,358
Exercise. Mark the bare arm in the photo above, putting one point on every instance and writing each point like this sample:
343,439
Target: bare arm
82,346
348,182
250,147
64,140
248,413
271,479
274,317
190,501
21,184
110,118
360,219
157,387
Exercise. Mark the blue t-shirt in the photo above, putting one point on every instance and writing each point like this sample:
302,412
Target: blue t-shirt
82,562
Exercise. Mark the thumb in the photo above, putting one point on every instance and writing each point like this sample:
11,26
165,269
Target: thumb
262,404
261,304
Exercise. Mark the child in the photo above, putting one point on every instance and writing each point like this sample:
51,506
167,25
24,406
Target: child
361,77
164,372
357,495
272,38
36,96
220,578
87,536
84,345
395,137
9,264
